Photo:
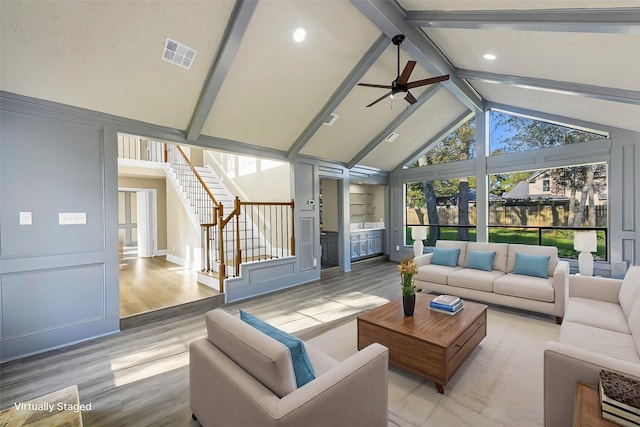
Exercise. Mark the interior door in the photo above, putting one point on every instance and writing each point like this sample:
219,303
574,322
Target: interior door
146,223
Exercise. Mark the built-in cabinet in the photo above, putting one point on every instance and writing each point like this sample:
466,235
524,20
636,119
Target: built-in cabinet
366,243
362,207
329,243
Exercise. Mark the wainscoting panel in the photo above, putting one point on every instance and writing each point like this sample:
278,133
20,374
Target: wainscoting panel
38,301
258,278
65,161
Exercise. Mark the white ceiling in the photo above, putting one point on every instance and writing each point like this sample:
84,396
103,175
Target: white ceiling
269,91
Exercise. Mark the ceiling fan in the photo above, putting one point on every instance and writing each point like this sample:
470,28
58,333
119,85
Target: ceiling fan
401,83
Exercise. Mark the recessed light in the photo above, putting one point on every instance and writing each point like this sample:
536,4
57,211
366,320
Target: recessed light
489,56
299,34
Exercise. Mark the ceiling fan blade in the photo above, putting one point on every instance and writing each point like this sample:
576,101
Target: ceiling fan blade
427,81
410,98
380,99
406,73
372,85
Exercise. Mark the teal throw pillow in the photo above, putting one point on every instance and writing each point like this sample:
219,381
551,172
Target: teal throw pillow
481,260
532,265
448,257
302,367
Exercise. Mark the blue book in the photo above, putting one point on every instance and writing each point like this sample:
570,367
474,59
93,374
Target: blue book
454,307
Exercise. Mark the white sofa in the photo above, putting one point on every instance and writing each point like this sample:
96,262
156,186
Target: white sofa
601,330
500,285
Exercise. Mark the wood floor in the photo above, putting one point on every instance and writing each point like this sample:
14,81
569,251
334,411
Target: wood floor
139,377
148,284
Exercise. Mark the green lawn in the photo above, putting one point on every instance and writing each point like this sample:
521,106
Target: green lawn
562,239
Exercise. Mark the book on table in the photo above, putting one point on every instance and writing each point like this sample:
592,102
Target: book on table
440,308
446,300
454,307
449,312
619,398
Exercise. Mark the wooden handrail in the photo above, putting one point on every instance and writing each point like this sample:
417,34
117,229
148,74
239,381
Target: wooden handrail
195,172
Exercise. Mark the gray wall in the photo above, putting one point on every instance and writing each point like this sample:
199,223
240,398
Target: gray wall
58,283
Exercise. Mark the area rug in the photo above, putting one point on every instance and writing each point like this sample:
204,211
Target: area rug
499,385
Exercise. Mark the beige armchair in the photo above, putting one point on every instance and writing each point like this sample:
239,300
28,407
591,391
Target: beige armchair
242,377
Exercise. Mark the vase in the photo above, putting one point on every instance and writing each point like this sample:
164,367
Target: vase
408,304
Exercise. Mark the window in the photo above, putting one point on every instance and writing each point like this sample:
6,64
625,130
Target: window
526,207
459,145
511,133
447,206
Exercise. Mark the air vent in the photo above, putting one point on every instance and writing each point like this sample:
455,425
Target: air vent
331,118
178,54
391,137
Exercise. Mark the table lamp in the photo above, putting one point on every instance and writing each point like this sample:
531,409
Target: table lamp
418,234
585,242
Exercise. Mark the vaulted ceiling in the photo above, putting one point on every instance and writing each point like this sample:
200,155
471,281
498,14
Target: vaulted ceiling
250,83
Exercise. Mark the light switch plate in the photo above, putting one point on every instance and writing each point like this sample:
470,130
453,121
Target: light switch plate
71,218
25,218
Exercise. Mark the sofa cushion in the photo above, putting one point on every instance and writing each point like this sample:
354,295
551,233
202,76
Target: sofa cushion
601,341
630,289
302,367
474,279
501,250
596,313
321,362
266,359
552,251
531,265
480,260
528,287
448,257
435,273
455,244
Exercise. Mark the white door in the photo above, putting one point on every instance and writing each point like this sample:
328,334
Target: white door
146,223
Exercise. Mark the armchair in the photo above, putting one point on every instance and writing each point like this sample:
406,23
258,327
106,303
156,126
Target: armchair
240,376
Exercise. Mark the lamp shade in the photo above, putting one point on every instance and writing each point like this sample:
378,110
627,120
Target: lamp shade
418,232
585,241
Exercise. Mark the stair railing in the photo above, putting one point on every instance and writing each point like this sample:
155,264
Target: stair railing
201,198
251,231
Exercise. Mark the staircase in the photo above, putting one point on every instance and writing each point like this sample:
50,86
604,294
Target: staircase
197,186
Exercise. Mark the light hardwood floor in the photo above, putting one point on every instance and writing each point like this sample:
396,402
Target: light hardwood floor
139,377
148,284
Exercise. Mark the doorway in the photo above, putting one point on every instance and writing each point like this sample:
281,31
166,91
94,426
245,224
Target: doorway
329,222
137,222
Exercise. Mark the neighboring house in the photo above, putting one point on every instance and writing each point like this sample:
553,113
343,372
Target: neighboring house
540,185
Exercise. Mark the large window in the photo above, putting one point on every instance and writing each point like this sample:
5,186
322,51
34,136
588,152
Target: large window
547,206
539,207
511,133
447,206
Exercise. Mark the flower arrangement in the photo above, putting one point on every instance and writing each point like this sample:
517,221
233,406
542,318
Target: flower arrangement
408,269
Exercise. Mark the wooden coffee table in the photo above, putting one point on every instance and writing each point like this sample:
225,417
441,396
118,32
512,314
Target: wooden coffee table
430,344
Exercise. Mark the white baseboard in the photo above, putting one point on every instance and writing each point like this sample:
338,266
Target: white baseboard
181,261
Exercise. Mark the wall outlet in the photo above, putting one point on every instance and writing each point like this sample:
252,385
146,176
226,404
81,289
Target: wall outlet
397,248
